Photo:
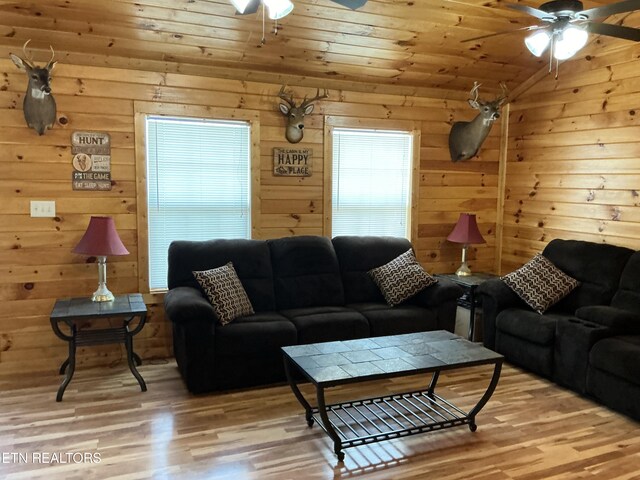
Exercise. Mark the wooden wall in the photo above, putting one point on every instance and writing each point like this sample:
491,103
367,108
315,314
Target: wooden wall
573,167
36,262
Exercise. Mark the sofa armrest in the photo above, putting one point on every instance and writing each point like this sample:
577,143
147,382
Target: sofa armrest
194,322
618,320
574,338
443,291
442,299
495,296
187,304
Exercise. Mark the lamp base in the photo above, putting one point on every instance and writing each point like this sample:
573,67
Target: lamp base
464,270
102,294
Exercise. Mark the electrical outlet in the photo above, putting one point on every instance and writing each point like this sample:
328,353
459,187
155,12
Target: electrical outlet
43,208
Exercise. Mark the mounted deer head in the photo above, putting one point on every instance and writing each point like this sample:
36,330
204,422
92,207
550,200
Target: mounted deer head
39,105
466,138
295,115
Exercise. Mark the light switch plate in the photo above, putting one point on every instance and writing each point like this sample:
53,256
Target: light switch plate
43,208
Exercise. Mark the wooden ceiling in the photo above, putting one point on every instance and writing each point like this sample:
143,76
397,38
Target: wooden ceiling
408,45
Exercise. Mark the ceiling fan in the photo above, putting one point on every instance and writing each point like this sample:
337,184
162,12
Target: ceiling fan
281,8
567,26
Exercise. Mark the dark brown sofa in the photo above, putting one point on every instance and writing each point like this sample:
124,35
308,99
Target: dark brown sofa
303,289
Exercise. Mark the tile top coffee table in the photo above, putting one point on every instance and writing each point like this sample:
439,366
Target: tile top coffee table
359,422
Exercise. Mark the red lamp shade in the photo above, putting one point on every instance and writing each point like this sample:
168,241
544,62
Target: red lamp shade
466,230
101,239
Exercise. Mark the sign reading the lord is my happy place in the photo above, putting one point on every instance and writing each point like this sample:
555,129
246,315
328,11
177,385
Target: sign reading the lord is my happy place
91,161
292,162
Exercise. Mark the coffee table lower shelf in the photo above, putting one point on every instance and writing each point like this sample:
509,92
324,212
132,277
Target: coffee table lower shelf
393,416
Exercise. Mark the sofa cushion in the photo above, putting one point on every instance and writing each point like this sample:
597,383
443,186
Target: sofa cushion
401,278
251,260
529,325
223,289
406,318
262,333
618,356
325,324
359,254
305,272
597,266
540,283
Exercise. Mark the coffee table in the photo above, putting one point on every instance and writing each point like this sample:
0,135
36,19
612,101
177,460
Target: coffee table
360,422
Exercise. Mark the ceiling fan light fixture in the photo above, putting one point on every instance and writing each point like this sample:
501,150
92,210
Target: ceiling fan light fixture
538,42
240,5
569,42
278,8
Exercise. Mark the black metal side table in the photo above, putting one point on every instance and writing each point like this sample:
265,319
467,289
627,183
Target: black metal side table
72,310
468,299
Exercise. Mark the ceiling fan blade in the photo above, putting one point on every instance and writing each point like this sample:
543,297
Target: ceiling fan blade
531,11
531,27
252,7
617,31
607,10
352,4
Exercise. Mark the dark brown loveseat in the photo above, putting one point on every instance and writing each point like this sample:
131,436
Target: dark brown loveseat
590,340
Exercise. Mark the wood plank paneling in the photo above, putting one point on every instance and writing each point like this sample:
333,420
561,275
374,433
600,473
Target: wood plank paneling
572,163
35,253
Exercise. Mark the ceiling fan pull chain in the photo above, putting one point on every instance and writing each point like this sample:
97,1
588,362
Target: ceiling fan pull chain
264,40
557,67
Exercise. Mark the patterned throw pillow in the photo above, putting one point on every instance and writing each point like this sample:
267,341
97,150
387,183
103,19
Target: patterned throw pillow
401,278
540,283
225,292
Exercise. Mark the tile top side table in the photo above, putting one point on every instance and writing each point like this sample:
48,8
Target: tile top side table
70,311
468,299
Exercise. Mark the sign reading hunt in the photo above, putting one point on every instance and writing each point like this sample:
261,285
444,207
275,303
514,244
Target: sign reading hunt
292,162
91,161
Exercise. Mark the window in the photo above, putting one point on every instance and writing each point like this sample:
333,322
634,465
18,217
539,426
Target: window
371,182
198,177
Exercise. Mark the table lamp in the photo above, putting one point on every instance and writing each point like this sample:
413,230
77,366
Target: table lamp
100,240
466,232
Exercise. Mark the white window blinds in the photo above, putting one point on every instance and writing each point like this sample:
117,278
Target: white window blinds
198,175
371,182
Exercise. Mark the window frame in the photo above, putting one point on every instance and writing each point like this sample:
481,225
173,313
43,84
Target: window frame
144,109
406,126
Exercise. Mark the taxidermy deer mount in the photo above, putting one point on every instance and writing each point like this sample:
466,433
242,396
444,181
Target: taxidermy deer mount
295,115
39,105
466,138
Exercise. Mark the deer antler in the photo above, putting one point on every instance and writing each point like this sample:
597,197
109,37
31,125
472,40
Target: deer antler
286,97
502,97
306,102
27,58
474,91
53,54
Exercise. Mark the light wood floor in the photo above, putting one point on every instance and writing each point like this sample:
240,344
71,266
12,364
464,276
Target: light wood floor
530,429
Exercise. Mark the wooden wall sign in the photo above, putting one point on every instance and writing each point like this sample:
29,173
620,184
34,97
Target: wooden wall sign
91,161
292,162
